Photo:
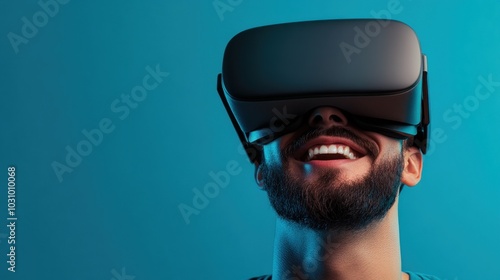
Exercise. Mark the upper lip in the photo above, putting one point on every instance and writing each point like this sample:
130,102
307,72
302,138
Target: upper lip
329,140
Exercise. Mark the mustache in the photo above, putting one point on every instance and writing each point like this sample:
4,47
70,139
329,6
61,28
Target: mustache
335,131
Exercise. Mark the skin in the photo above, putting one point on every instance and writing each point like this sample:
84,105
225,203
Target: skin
371,253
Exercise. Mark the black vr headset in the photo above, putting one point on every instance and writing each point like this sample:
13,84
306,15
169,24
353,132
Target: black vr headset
372,70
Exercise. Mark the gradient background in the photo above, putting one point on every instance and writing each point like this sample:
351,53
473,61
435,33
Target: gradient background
116,215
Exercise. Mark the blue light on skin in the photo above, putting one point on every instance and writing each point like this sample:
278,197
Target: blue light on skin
272,153
307,168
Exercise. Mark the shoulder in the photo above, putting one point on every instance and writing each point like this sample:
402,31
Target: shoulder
420,276
264,277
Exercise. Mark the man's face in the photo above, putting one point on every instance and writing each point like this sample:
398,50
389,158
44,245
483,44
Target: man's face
330,175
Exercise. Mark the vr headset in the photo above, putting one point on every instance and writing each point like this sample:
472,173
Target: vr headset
372,70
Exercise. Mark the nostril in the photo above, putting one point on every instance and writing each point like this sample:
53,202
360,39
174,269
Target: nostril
317,119
326,116
336,118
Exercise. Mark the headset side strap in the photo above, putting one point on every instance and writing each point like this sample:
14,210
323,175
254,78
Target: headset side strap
252,151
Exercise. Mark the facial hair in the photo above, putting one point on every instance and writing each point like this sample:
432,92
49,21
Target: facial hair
330,202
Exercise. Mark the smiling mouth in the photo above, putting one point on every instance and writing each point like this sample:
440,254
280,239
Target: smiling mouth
331,152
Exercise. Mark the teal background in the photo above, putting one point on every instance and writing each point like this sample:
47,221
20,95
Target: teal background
116,216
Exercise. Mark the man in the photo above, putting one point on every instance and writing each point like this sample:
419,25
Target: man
334,170
338,215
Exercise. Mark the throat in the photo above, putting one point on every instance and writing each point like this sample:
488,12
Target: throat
302,253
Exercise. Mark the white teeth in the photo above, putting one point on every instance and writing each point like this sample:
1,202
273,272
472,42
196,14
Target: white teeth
331,149
347,151
323,150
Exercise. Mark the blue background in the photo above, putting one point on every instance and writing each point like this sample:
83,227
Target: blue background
116,215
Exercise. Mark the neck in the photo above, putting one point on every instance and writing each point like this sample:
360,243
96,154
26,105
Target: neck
373,253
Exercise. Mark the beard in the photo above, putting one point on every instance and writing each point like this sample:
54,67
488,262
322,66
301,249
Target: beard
329,202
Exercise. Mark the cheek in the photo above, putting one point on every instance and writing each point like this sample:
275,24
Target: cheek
272,153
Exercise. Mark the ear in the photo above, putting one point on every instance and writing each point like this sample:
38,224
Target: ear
412,172
258,175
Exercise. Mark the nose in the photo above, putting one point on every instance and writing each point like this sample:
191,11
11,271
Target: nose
326,117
